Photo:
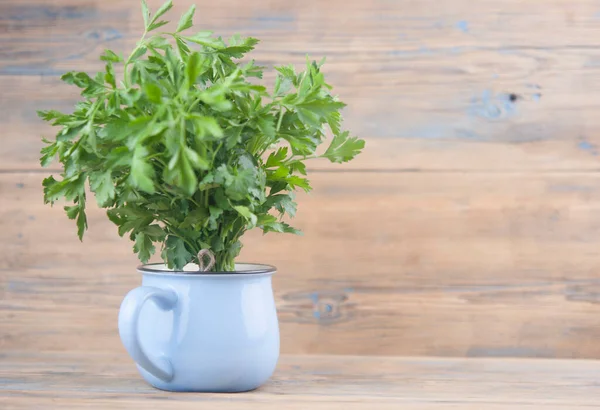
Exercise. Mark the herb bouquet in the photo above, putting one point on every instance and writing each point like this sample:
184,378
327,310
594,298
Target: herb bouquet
184,150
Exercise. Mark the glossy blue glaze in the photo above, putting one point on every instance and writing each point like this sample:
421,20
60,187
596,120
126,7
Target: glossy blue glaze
202,332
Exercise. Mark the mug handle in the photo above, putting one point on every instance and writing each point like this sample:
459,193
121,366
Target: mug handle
129,314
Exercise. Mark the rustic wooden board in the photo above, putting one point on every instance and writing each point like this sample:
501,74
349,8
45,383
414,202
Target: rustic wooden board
469,226
390,263
68,381
428,85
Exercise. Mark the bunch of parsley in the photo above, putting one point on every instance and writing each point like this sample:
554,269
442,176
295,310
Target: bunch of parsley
185,151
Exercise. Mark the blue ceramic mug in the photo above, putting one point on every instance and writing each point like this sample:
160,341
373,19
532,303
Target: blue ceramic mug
195,331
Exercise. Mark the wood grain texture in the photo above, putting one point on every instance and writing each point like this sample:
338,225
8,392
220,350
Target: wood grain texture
486,86
31,380
418,264
468,227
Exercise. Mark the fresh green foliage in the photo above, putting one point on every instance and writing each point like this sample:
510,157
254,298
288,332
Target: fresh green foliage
185,151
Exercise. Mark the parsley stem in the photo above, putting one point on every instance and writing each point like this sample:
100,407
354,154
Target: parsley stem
194,202
296,159
280,118
135,50
216,152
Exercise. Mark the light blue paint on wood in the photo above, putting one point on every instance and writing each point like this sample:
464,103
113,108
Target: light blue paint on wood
588,147
283,18
406,53
508,351
507,51
272,21
571,188
426,51
104,34
492,106
582,294
111,34
40,12
468,134
437,128
44,68
74,56
463,26
445,132
93,35
592,62
314,297
25,70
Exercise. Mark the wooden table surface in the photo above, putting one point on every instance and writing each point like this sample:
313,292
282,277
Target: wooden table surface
76,380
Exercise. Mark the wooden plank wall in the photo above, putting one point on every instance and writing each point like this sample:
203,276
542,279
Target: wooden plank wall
469,227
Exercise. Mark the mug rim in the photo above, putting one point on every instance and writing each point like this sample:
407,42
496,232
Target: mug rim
255,269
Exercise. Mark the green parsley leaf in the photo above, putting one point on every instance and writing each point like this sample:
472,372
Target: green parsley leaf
198,217
153,92
141,171
145,13
283,203
48,153
138,53
197,161
280,227
205,40
298,182
162,10
143,247
156,25
186,20
247,214
193,68
213,220
343,148
81,223
276,158
183,48
72,211
130,218
110,56
206,126
240,47
175,253
102,185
